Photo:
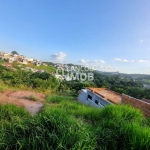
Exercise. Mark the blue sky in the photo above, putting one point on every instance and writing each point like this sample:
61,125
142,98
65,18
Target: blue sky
113,35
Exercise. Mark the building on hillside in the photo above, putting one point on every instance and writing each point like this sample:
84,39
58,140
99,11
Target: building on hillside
44,64
1,54
15,55
30,60
99,97
6,54
11,59
24,61
37,62
57,76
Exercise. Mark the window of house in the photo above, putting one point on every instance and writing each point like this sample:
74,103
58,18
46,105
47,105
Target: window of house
96,102
89,97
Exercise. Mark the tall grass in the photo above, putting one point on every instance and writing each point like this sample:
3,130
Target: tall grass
3,86
65,124
115,127
52,129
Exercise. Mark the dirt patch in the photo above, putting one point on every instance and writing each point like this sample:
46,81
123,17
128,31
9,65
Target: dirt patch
20,98
26,94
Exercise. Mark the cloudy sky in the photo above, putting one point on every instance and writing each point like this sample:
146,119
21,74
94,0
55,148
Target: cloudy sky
112,35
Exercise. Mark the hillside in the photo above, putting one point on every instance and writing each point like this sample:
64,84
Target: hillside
54,119
67,124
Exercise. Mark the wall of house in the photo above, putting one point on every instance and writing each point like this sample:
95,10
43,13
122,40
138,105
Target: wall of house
101,100
83,98
145,107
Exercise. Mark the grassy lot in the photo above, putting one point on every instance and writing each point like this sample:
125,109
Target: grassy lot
65,124
41,67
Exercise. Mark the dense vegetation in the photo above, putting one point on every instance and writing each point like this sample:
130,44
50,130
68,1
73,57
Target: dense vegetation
114,82
122,85
67,124
45,82
28,80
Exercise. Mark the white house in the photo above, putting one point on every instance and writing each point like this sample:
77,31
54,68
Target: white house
30,59
99,97
5,54
15,55
24,61
58,76
11,59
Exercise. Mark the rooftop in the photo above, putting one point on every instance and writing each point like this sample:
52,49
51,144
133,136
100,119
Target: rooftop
107,94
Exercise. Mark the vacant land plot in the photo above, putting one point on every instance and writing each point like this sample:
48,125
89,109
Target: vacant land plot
31,101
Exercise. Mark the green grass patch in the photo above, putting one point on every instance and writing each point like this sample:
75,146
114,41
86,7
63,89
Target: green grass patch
66,124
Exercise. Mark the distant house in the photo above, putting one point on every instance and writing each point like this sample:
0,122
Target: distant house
21,56
11,59
24,61
37,62
44,64
30,59
5,54
14,55
60,77
1,54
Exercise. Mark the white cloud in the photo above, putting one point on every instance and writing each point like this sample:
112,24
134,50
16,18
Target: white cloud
84,61
58,57
141,41
99,61
88,61
108,67
134,61
121,60
143,61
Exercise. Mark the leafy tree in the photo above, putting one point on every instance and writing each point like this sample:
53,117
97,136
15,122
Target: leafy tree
14,52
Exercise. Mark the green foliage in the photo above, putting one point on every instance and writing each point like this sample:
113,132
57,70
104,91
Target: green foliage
48,68
19,78
58,99
52,129
115,127
121,85
75,85
113,82
66,124
122,127
1,61
14,52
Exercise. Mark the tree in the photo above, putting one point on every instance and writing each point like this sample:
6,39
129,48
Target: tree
14,52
